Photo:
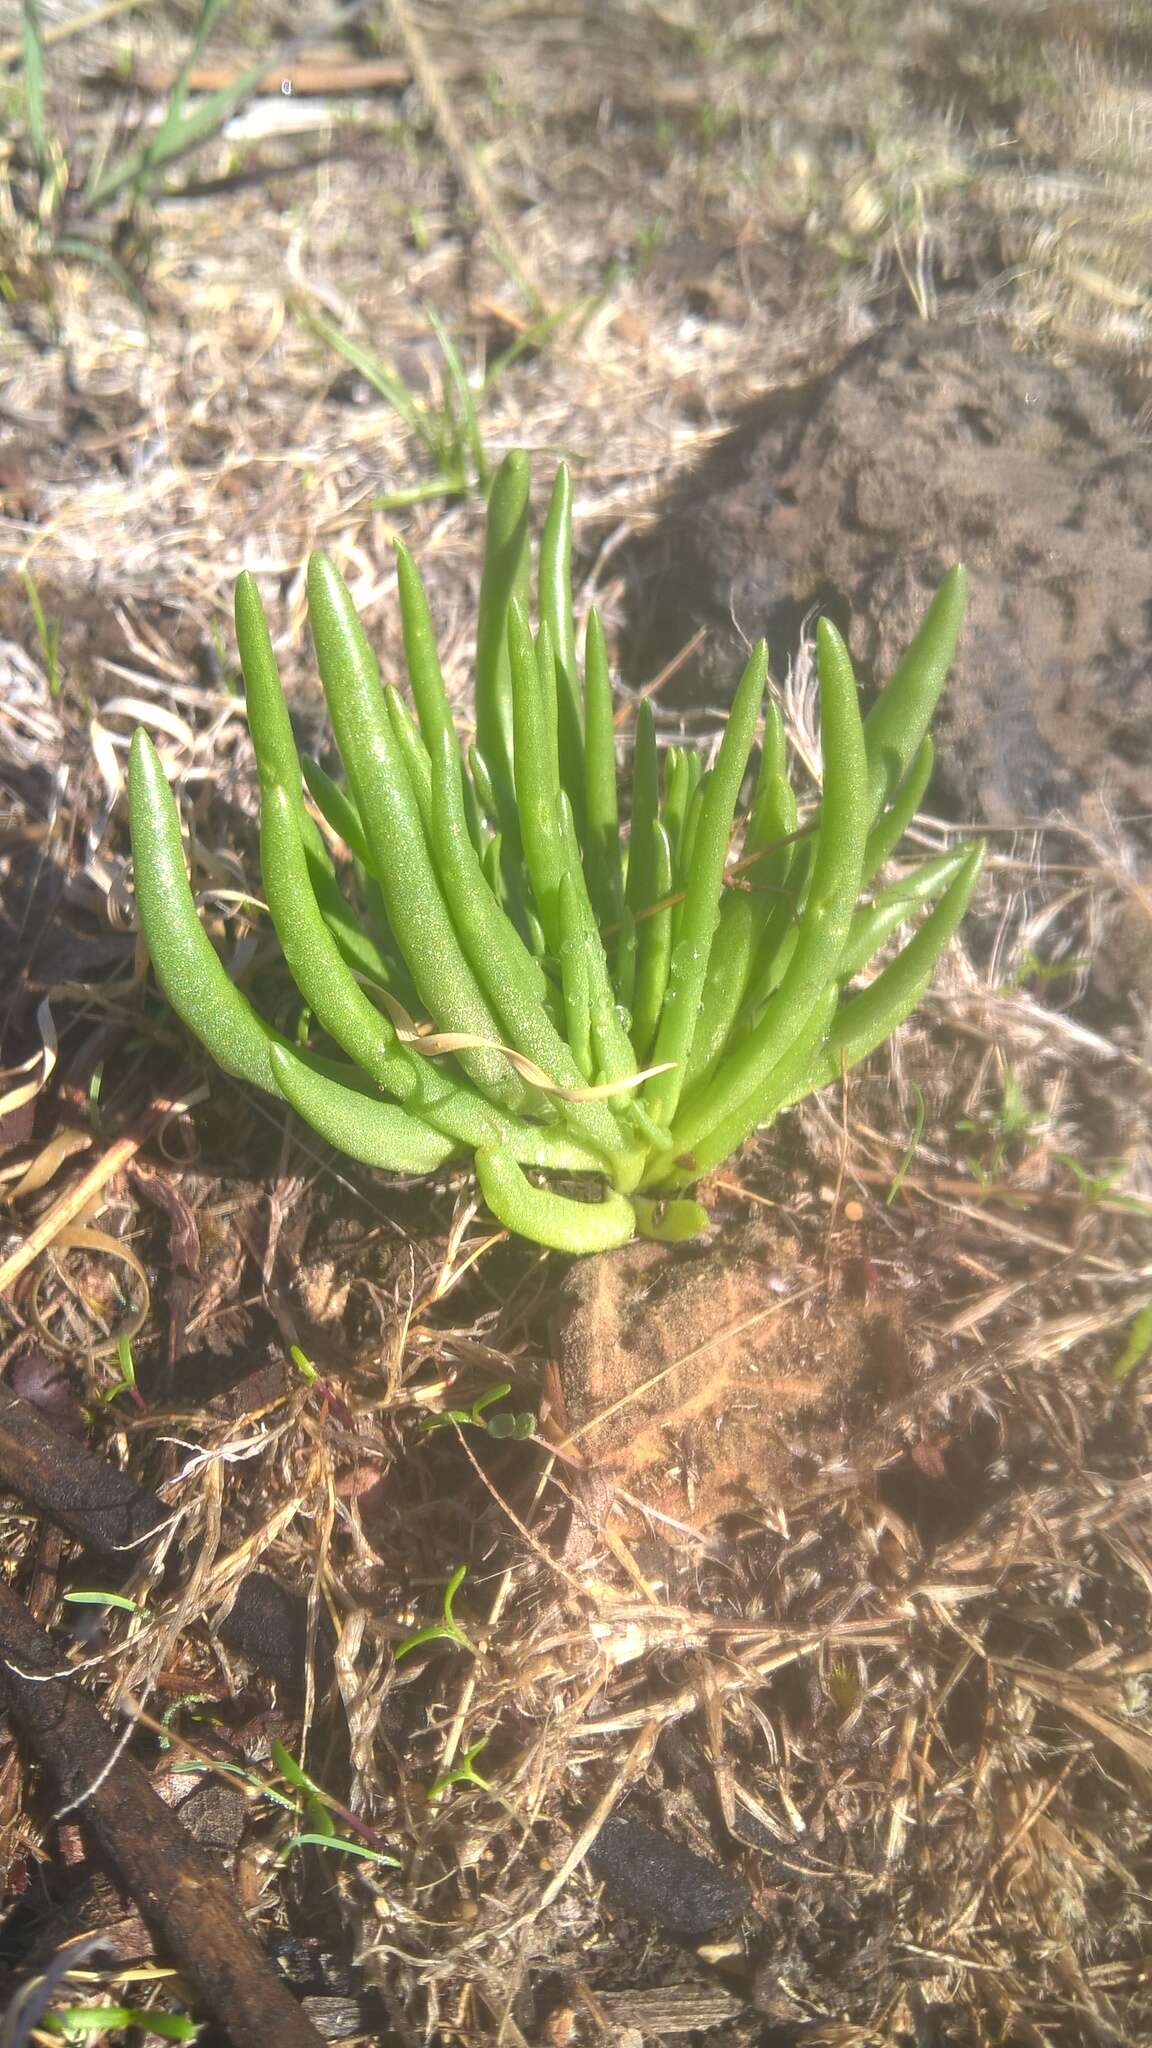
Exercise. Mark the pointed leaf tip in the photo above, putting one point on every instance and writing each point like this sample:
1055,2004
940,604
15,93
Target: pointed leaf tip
829,636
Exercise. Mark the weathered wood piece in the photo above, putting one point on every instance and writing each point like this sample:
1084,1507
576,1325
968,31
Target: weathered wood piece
192,1911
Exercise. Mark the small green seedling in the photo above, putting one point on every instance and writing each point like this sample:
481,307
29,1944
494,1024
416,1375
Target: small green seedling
1136,1349
598,1017
448,430
81,2022
463,1773
126,1384
1012,1120
93,1599
86,214
314,1809
911,1149
1094,1188
517,1427
318,1829
303,1364
1031,968
47,633
448,1630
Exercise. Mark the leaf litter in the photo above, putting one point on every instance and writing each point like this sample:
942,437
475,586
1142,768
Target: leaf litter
879,1656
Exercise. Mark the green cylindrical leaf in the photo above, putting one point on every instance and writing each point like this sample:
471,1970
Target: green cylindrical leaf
611,1045
669,1222
703,887
555,611
900,717
654,951
871,926
273,740
505,576
868,1019
420,653
828,909
337,807
184,959
482,783
549,1219
682,860
510,977
754,900
574,979
892,823
639,892
784,1083
383,793
314,960
414,751
601,799
350,1117
537,773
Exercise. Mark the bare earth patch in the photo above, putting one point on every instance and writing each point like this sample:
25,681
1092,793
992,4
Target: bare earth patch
699,1382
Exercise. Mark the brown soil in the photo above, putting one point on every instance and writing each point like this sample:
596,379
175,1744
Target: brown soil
861,1615
929,445
711,1381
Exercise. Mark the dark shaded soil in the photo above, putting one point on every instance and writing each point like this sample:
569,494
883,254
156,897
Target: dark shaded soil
930,444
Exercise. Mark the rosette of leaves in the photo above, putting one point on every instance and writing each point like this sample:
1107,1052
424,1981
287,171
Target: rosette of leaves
595,1000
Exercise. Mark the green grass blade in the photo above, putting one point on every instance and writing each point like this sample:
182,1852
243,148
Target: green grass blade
210,13
383,380
139,169
466,417
33,75
84,250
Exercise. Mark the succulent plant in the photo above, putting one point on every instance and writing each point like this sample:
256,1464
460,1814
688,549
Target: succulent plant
612,1011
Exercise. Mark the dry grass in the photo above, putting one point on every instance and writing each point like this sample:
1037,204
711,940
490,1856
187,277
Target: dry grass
908,1697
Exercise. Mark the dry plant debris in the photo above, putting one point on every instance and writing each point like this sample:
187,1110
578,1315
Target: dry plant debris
901,1691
